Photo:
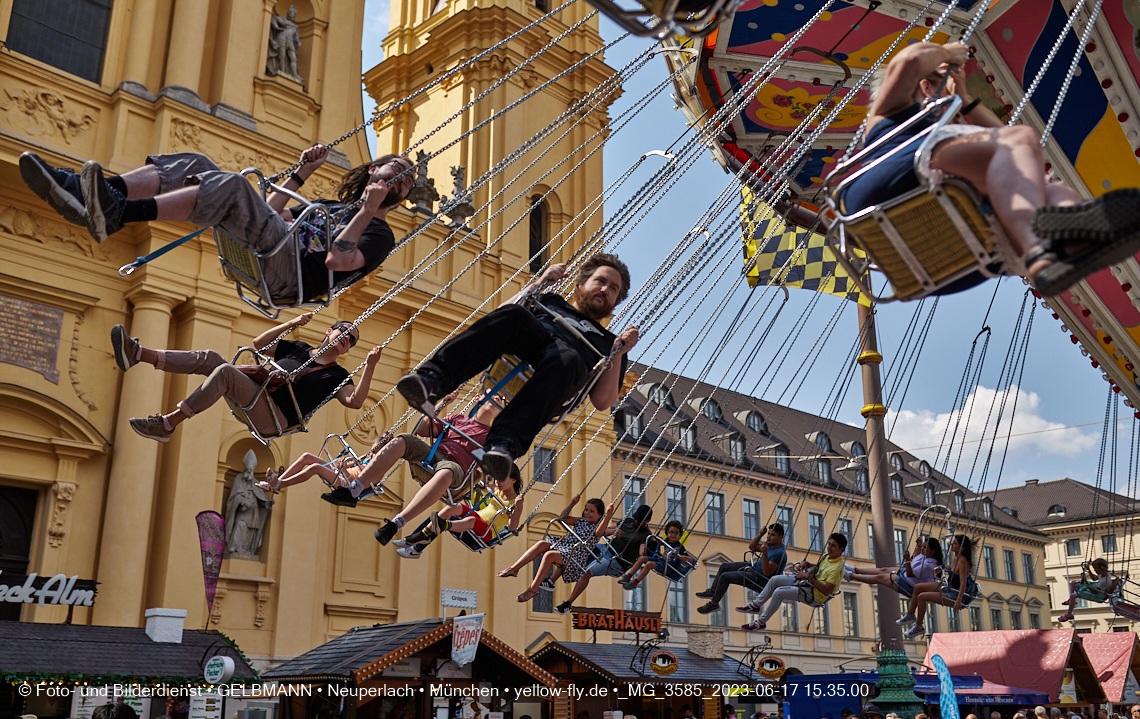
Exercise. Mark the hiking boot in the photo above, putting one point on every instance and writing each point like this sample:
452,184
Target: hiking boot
59,187
497,462
386,532
564,607
547,585
341,497
104,204
126,347
421,390
152,428
708,608
412,552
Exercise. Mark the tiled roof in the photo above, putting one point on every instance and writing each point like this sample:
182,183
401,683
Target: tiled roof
1033,500
71,649
613,661
788,428
352,650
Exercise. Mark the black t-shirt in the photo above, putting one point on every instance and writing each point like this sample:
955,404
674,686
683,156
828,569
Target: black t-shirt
375,243
311,388
628,545
598,336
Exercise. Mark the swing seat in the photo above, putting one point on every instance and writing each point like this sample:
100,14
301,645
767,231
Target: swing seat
1128,610
1092,594
507,376
241,413
923,240
243,266
675,570
469,538
659,19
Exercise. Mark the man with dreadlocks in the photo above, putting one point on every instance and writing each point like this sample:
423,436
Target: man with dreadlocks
188,186
561,359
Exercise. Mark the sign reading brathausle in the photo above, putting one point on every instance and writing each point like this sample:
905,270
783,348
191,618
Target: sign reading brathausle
617,620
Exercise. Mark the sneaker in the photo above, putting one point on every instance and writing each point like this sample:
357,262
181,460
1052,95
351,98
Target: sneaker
104,204
625,580
754,626
386,532
341,497
563,608
421,390
547,585
126,347
906,619
707,594
401,543
59,187
497,462
916,631
708,608
412,552
750,608
152,428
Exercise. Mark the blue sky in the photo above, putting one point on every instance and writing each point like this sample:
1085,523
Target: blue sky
1059,388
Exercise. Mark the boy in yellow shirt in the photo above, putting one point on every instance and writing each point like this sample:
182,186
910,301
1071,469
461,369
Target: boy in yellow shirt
811,584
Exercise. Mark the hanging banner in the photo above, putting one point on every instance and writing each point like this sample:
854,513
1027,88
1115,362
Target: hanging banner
212,537
947,702
465,634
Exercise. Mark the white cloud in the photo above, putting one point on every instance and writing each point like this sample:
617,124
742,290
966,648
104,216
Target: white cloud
923,432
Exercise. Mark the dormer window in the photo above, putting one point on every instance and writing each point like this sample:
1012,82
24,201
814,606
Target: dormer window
688,437
1057,510
924,469
736,449
755,422
633,425
861,478
896,487
712,410
959,502
660,394
780,459
896,462
1010,511
823,442
823,471
987,509
858,451
928,494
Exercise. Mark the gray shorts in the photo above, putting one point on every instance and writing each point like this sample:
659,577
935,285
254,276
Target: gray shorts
229,201
417,450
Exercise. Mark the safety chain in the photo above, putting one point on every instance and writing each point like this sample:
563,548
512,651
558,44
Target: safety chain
1072,71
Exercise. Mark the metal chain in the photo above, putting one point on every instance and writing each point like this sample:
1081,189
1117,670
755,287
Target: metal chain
1048,61
1072,71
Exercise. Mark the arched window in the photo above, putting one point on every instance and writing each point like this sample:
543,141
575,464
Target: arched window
539,233
755,422
924,469
897,462
660,394
823,442
1057,509
712,410
858,451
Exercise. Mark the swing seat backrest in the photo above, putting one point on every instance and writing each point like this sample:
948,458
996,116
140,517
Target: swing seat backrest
1091,593
923,240
511,373
1125,609
241,413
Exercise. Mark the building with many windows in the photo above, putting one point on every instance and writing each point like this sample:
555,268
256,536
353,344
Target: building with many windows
1082,523
726,465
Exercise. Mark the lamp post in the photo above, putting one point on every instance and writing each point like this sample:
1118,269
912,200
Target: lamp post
896,684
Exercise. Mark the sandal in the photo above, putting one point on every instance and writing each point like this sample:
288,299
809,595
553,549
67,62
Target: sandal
508,572
1108,227
528,595
272,482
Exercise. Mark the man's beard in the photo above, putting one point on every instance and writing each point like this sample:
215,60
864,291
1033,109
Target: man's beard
585,304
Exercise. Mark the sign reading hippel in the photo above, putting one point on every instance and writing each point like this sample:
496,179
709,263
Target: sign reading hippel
617,620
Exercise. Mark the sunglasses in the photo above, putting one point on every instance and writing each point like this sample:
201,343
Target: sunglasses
347,330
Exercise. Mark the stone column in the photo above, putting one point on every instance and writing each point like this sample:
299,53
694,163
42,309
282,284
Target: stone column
139,47
184,58
130,490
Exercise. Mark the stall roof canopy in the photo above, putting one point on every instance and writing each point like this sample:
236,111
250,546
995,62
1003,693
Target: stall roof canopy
1112,656
1031,658
71,651
613,662
365,652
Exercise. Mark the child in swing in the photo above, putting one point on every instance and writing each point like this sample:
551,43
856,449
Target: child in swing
653,556
501,507
1100,585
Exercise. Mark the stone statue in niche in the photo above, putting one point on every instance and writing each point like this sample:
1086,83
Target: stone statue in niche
247,511
284,41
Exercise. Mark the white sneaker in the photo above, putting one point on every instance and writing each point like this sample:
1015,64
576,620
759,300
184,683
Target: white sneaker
906,619
916,631
412,552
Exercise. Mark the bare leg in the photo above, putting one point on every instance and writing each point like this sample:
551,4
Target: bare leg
580,587
176,206
548,560
432,491
871,578
644,572
462,525
304,468
384,460
527,557
141,182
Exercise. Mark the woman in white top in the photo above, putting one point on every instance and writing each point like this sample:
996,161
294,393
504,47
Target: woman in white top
917,569
1100,583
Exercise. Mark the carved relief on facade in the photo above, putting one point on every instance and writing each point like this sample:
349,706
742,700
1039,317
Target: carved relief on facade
188,137
73,366
42,112
219,596
262,598
368,430
64,492
33,227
